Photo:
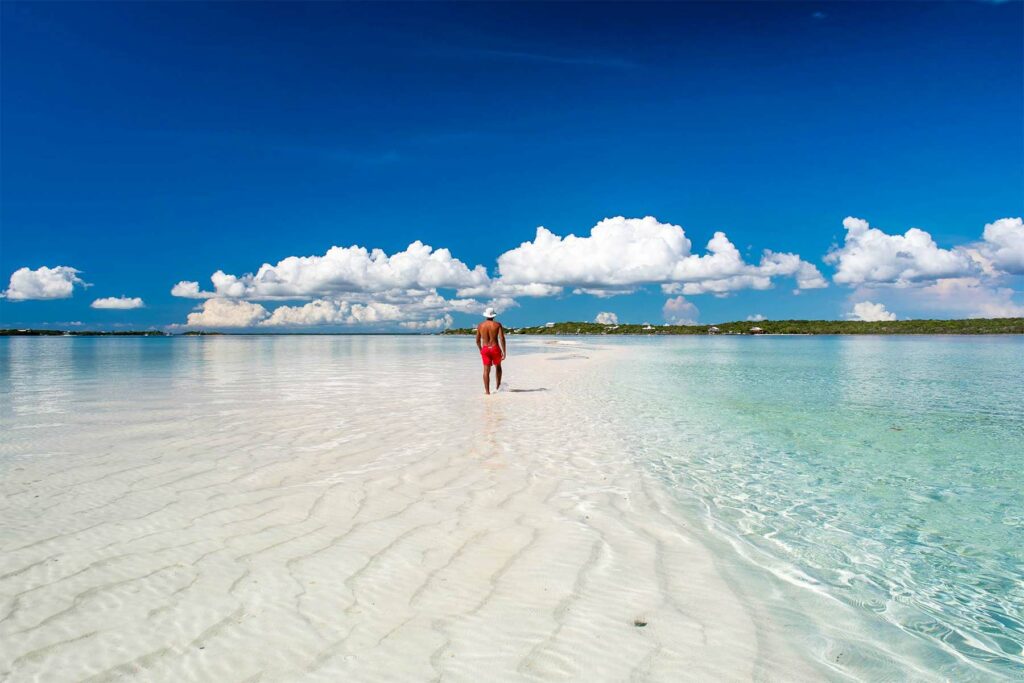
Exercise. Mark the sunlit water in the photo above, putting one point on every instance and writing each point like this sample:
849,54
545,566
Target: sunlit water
883,474
863,494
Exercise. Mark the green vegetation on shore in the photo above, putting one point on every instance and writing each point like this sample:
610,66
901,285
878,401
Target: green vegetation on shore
972,326
81,333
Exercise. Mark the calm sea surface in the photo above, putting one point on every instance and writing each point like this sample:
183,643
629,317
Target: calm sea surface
865,493
884,476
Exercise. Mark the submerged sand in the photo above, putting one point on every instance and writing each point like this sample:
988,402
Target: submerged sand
270,519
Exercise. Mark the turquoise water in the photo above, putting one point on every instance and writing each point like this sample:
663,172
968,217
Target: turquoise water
863,494
883,475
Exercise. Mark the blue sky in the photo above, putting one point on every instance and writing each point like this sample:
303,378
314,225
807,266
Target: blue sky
145,144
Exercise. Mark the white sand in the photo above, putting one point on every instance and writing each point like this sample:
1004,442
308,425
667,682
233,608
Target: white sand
269,519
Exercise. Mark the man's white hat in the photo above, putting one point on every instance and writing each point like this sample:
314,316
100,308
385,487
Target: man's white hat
490,312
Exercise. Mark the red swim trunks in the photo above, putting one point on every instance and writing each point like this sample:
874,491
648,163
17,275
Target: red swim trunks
491,355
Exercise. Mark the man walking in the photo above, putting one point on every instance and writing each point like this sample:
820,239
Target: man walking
489,334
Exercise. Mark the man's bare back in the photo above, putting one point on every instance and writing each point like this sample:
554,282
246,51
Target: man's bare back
488,332
490,340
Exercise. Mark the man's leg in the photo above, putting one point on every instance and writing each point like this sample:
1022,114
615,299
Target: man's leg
487,378
497,376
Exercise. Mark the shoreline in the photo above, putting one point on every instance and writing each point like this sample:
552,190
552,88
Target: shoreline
969,326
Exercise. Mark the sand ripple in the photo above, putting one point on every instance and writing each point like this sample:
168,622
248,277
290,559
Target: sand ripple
325,509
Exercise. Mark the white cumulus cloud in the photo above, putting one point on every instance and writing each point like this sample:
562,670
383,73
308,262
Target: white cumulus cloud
606,318
604,293
723,270
190,290
868,311
122,302
870,256
344,270
43,283
756,318
679,311
1003,244
965,280
967,297
319,312
499,304
410,309
621,253
441,323
355,286
359,286
227,313
503,290
970,297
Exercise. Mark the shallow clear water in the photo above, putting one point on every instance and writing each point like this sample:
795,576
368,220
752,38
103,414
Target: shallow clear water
863,494
884,474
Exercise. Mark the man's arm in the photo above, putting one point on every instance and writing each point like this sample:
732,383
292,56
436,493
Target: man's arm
501,336
477,336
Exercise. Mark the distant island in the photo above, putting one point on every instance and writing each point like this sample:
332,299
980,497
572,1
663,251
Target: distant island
971,326
81,333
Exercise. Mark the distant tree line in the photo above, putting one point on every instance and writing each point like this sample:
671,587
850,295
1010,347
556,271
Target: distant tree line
971,326
81,333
